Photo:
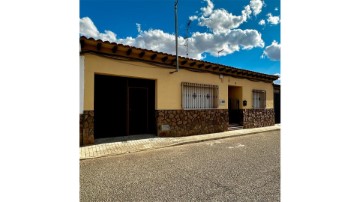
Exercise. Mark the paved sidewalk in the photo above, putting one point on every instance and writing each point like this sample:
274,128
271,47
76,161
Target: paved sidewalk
123,145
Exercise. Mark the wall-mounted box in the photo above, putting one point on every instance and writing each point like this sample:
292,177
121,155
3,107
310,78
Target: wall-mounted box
164,127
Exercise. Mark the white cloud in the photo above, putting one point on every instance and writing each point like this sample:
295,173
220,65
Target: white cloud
273,19
157,40
194,17
276,9
88,29
256,6
262,22
107,36
199,43
272,51
220,21
208,9
138,27
246,12
230,42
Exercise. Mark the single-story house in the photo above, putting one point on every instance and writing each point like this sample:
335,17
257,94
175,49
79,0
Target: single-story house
126,90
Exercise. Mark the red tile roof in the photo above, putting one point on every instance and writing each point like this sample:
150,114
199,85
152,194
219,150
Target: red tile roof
114,50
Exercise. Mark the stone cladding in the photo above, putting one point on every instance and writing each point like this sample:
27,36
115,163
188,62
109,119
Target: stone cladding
87,128
191,122
254,118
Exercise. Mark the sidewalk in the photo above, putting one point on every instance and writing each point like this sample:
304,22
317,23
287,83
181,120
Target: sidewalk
125,145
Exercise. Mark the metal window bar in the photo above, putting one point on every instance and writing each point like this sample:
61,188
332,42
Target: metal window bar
259,99
199,96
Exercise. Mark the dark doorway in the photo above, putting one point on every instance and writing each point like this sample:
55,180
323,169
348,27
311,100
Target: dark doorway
277,106
123,106
109,106
235,112
138,110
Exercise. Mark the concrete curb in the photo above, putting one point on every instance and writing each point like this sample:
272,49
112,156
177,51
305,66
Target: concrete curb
181,141
217,138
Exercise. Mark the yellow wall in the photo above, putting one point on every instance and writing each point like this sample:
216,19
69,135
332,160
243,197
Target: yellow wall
247,88
168,86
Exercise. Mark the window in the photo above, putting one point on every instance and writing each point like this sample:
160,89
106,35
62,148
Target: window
259,99
199,96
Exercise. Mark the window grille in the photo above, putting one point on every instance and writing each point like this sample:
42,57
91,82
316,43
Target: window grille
259,99
199,96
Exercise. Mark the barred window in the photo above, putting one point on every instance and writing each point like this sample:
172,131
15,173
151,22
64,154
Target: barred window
259,99
199,96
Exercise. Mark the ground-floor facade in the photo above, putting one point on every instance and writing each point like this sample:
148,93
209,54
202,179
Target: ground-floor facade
129,91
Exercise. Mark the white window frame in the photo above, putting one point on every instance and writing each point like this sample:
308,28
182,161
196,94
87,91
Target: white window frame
259,99
199,96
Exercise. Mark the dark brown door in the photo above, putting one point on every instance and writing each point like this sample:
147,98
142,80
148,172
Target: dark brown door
138,110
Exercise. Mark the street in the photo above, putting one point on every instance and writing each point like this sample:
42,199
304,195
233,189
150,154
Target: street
244,168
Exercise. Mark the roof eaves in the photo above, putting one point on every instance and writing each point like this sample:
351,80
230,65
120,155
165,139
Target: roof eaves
216,67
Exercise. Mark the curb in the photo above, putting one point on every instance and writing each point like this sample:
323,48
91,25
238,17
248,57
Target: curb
217,138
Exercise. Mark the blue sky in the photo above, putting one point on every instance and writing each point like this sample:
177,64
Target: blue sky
247,31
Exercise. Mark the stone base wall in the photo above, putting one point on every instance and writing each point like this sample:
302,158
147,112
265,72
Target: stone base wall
176,123
87,128
254,118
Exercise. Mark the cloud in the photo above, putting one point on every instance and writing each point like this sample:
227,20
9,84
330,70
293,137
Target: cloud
273,19
157,40
199,43
262,22
88,29
229,42
256,6
272,52
246,12
208,9
220,21
194,17
138,27
276,9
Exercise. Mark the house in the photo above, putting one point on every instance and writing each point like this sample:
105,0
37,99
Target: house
127,91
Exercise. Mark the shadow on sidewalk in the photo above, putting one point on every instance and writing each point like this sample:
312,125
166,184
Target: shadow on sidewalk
124,138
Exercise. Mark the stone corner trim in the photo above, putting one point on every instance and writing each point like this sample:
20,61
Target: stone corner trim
87,128
177,123
254,118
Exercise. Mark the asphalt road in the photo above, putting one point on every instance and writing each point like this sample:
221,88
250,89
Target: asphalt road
245,168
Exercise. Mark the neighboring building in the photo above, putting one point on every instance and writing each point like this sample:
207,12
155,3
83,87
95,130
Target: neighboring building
127,90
